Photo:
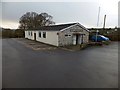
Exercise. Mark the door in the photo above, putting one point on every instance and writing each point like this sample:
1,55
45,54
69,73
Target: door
35,36
79,39
74,39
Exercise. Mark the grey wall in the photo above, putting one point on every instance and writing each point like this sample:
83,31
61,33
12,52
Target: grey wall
68,40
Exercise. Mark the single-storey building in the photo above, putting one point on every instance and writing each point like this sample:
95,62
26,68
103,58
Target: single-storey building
60,35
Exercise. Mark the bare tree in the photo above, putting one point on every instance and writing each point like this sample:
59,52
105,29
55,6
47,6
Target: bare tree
33,20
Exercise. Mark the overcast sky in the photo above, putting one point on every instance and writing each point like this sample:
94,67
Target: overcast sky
85,13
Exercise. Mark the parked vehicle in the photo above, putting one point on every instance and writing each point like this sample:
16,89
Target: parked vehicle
99,38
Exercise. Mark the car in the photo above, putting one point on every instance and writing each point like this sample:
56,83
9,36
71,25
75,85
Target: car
99,38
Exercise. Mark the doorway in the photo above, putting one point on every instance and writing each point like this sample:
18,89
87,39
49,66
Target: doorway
74,39
35,36
77,39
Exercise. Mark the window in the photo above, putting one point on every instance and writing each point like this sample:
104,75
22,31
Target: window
69,35
28,32
44,34
66,35
40,34
31,33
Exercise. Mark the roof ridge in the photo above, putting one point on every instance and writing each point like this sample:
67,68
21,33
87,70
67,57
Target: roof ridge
61,24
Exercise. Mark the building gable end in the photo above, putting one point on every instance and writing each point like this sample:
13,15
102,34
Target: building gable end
77,24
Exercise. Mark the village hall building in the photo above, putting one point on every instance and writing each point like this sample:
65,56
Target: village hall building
60,35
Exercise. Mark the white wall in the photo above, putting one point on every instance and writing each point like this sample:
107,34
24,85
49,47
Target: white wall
51,37
26,34
29,36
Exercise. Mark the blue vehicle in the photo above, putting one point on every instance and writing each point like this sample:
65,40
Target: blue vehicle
99,38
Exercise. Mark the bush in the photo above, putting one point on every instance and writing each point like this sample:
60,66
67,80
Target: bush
8,33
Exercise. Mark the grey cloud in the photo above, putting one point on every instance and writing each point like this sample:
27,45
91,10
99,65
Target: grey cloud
62,12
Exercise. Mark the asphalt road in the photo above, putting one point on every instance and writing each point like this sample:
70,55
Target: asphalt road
94,67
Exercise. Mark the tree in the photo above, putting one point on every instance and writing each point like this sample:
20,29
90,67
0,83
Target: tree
33,20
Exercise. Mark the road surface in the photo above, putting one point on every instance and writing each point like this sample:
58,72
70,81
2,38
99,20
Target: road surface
94,67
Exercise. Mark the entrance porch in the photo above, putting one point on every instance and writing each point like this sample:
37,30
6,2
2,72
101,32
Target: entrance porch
78,38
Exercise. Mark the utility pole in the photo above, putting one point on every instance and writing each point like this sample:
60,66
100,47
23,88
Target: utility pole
104,22
98,17
98,23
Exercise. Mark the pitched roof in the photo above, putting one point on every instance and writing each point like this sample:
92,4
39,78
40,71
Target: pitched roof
55,27
58,27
